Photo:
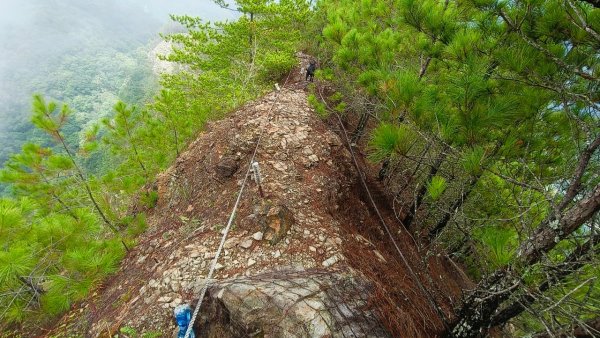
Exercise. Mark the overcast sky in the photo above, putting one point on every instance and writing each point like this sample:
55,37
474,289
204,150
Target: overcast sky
35,33
37,36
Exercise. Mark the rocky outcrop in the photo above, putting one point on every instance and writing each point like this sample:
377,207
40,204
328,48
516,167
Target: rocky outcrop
290,303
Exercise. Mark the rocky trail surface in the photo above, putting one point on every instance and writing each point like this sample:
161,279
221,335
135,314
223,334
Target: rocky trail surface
307,260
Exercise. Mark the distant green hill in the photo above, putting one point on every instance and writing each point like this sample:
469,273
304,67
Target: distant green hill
81,52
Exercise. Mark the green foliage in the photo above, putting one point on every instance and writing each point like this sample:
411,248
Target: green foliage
389,141
128,330
131,332
51,261
135,225
473,161
319,107
503,98
149,199
498,243
436,187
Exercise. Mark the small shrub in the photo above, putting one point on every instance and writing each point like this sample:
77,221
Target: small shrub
436,187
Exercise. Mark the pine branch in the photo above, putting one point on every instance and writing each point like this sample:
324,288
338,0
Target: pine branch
543,50
595,3
555,274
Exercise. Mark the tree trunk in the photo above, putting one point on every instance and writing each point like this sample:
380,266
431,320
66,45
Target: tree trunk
383,172
582,164
360,128
410,216
251,37
475,317
556,274
546,236
455,206
135,151
88,190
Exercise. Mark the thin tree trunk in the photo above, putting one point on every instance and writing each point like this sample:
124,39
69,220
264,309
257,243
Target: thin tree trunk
475,317
251,38
424,66
175,136
60,201
139,160
86,185
89,190
582,164
384,169
415,171
555,274
412,212
453,209
360,127
137,155
546,236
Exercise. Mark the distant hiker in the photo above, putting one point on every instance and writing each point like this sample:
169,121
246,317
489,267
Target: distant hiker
310,71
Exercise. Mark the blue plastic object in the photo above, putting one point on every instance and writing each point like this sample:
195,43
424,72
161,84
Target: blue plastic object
183,315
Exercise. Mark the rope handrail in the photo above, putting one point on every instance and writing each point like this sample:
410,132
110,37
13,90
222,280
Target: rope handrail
232,216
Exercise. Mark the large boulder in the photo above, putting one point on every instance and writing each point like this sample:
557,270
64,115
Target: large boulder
289,303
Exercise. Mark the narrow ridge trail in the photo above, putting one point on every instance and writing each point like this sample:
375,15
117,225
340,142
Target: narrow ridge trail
308,260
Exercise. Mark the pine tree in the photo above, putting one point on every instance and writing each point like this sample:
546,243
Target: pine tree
502,96
124,139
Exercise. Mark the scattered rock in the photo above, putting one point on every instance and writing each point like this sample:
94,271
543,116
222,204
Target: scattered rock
227,166
142,259
331,260
297,305
231,242
246,244
165,299
280,166
258,236
379,256
251,262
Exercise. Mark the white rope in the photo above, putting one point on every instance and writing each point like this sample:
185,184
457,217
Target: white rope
231,218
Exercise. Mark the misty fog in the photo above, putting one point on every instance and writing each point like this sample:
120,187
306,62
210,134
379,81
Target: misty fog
77,50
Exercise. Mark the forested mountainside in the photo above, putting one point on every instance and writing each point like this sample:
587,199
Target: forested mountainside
87,53
450,189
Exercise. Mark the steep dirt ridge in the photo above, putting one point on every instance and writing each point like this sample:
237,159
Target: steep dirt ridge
334,249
